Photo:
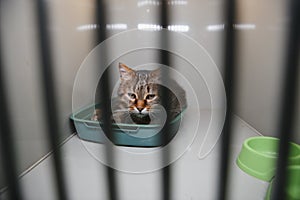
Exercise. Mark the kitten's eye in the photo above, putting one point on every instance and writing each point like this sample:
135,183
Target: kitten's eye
150,96
132,96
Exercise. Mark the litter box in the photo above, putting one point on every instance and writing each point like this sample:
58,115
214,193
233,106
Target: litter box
135,135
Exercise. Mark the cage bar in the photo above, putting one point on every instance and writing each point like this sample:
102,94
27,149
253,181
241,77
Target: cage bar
289,99
6,133
50,100
104,93
165,93
229,53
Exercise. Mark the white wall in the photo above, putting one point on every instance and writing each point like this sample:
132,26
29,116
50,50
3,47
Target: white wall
260,64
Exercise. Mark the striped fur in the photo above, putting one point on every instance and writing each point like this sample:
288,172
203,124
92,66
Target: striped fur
139,99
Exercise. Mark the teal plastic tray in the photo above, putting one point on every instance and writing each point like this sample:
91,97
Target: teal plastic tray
124,134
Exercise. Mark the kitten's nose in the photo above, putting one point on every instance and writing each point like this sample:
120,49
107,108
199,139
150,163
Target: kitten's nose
140,105
140,109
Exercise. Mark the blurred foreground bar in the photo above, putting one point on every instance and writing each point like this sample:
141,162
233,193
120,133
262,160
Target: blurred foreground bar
229,55
105,105
6,134
50,100
289,99
164,59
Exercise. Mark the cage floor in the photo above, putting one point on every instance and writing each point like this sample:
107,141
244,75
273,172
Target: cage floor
194,178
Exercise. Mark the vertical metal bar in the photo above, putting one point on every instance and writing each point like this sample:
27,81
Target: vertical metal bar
289,96
165,93
6,133
105,106
50,102
229,82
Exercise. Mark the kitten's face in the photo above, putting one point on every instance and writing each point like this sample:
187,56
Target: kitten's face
138,89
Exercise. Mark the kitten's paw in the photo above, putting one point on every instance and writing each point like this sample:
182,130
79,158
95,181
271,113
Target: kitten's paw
96,115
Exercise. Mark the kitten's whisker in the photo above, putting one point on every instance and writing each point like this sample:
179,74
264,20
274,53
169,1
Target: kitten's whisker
121,110
155,110
154,114
128,119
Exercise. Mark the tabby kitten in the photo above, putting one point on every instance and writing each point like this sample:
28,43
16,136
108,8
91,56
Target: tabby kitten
139,100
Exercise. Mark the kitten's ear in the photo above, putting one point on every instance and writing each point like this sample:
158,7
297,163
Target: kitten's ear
156,74
126,73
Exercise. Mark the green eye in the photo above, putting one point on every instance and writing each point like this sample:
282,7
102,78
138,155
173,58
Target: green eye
131,95
150,96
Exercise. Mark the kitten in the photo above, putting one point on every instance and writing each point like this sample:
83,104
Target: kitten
139,99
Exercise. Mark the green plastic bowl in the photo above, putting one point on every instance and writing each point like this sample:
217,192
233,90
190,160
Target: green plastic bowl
259,154
292,189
